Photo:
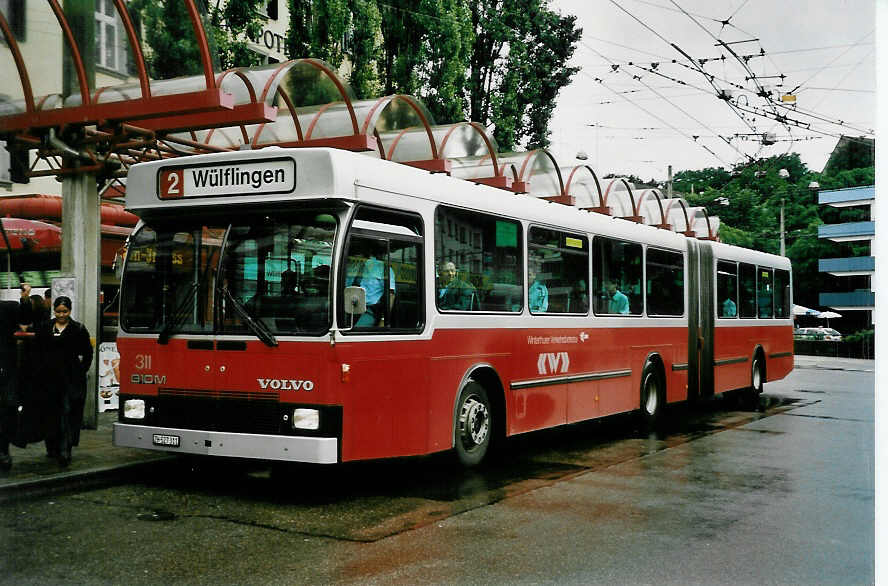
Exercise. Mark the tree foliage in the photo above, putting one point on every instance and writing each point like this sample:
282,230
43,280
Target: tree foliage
518,66
172,47
497,62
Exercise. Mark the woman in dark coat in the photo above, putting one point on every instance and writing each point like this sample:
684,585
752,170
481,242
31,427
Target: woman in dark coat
65,354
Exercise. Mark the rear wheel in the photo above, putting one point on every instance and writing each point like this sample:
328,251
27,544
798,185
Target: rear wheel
751,397
652,395
473,427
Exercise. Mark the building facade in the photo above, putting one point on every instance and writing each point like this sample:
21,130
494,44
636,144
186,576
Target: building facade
856,271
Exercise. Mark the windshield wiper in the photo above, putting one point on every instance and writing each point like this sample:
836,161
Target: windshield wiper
260,329
179,314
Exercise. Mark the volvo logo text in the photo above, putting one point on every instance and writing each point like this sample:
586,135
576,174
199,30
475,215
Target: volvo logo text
285,384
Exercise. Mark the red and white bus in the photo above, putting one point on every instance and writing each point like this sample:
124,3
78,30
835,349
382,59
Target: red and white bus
318,305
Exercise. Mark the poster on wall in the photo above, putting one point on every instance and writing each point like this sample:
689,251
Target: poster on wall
109,376
65,286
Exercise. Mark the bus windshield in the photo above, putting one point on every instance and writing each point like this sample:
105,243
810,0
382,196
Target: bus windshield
262,275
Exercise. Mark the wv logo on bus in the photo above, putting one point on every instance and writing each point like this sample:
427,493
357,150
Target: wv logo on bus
553,362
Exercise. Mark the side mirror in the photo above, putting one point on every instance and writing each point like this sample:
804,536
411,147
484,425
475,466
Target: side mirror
355,300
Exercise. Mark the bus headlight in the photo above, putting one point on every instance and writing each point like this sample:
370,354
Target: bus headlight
134,409
306,419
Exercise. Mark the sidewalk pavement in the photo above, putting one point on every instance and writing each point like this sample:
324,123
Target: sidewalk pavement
831,363
96,461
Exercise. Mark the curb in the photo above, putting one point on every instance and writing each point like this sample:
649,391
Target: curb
75,480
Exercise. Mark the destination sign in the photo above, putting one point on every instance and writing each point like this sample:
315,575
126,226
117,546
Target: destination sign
235,178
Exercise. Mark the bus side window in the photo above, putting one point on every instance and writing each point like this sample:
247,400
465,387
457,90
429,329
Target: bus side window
747,290
557,272
765,292
726,288
616,277
482,268
782,296
665,282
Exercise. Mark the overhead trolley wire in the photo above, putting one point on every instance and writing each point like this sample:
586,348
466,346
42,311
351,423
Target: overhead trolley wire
690,59
836,58
652,115
674,105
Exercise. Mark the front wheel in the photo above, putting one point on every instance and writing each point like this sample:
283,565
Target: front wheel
473,426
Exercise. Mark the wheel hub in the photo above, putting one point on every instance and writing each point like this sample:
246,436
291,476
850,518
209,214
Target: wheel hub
474,422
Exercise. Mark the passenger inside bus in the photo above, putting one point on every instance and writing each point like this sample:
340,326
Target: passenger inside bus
537,292
617,300
455,293
729,308
370,276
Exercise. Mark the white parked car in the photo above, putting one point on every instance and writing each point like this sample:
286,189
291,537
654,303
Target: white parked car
830,335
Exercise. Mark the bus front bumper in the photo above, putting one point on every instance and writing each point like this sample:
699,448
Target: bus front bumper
315,450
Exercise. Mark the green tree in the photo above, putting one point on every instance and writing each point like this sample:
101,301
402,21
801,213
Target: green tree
444,57
170,40
748,199
366,48
518,66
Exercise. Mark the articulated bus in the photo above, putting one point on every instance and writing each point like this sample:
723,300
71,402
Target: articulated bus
318,305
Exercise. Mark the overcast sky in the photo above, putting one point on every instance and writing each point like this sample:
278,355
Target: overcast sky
636,121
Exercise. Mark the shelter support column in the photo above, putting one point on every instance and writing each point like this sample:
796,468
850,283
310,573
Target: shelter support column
81,233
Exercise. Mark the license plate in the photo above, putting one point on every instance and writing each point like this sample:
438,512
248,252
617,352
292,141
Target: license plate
170,441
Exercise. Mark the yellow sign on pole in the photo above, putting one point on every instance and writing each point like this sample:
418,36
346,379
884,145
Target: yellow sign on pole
789,98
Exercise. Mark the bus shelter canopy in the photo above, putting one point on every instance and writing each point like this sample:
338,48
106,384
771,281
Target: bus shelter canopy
75,125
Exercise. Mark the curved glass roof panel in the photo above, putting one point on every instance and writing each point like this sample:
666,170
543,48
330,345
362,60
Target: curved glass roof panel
410,144
463,139
580,183
37,41
539,169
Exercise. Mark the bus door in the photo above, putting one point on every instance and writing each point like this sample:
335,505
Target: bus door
388,378
707,320
700,319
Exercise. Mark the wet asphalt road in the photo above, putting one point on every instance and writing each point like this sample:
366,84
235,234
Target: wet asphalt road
721,496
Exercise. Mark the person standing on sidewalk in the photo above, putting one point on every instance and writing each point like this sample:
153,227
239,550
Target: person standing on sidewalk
12,315
65,353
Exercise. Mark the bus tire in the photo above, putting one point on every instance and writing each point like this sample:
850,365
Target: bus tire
473,427
757,382
653,394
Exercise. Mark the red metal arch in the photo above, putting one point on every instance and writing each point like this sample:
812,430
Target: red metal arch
523,183
601,208
357,141
25,81
482,133
498,180
646,195
681,204
634,217
135,47
382,103
710,235
75,51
